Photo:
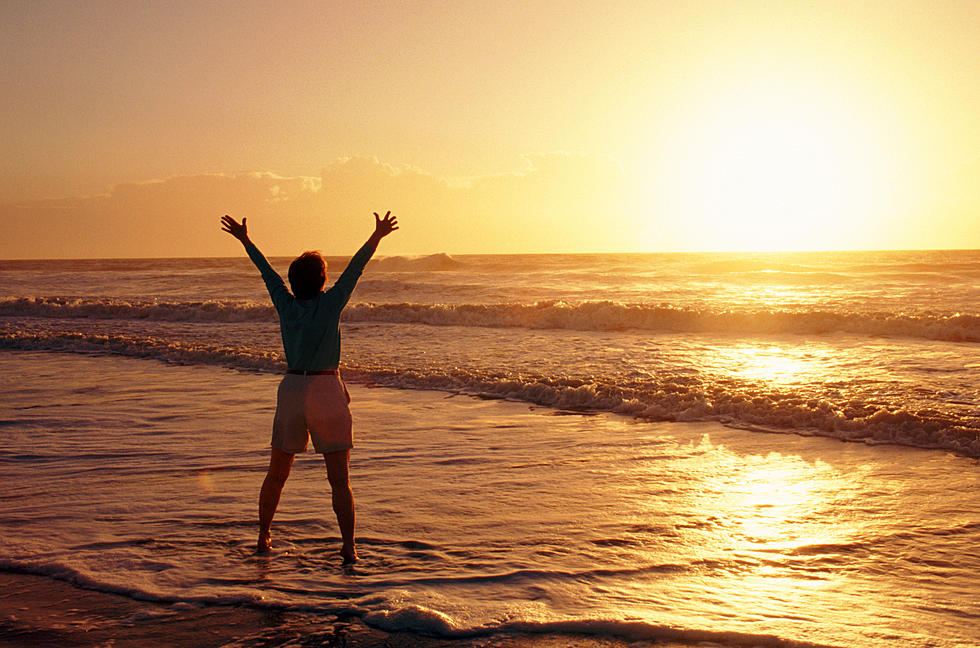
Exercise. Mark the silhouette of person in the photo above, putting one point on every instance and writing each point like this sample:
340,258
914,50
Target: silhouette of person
312,401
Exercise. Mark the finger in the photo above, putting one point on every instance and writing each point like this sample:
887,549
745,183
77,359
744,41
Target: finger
388,214
243,221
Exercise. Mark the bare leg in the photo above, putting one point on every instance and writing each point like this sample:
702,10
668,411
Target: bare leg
279,466
338,464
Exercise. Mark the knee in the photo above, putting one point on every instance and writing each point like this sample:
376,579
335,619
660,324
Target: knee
276,479
338,481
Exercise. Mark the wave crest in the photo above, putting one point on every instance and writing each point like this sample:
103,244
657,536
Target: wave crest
428,263
663,398
585,316
135,309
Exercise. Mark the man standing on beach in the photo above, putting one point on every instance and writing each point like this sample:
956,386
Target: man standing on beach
312,401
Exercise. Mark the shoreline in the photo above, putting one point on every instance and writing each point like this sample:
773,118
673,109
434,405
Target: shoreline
705,535
43,611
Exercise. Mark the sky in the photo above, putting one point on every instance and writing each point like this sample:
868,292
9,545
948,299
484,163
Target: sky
129,128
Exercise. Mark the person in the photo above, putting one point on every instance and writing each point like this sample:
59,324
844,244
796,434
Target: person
312,400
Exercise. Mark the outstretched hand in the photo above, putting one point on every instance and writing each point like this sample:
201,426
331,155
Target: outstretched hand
239,231
384,226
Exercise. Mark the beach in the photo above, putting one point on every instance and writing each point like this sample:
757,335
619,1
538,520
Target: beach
467,532
659,324
701,466
44,612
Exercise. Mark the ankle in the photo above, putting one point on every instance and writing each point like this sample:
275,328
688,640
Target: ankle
264,543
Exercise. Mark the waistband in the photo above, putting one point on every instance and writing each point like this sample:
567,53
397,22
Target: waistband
304,372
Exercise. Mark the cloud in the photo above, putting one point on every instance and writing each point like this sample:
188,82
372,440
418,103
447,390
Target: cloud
559,203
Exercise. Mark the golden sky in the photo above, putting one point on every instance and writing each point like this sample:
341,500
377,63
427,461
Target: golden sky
129,128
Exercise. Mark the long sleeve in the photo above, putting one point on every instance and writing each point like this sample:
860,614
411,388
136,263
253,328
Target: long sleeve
281,297
348,279
311,328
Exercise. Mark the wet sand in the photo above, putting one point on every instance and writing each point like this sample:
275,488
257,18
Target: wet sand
44,612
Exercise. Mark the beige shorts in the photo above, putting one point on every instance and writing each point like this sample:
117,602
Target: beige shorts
312,407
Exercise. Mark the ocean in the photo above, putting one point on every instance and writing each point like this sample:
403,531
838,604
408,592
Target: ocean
744,449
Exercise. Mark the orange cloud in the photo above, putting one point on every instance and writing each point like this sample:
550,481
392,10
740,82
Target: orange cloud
561,202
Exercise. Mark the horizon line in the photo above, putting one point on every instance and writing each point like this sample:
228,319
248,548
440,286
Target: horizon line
485,254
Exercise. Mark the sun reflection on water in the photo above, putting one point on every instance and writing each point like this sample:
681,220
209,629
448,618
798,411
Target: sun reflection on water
772,529
774,364
775,501
775,517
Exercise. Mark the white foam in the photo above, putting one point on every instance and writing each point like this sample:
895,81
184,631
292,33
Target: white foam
584,316
413,618
665,398
382,613
379,612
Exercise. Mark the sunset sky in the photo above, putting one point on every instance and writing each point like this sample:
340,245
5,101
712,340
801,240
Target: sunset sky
129,128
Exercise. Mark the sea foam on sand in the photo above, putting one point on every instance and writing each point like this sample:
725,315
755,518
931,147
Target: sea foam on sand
39,611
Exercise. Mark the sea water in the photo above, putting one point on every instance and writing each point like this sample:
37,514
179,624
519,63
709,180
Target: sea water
661,455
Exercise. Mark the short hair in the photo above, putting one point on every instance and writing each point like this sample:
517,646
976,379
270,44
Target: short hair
307,274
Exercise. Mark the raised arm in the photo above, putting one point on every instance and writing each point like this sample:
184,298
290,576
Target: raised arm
382,228
236,229
273,282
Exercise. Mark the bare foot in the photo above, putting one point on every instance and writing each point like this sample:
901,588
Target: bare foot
264,543
349,554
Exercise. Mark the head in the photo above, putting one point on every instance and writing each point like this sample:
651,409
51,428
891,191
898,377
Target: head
307,274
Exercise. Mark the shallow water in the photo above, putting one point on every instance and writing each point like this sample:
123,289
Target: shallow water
477,515
876,346
660,457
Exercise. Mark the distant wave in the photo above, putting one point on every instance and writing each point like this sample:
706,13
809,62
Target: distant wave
586,316
429,262
136,309
613,316
663,398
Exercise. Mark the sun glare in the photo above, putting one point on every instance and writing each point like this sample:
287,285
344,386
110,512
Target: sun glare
768,169
775,365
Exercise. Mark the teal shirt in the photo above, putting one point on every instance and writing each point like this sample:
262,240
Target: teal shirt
311,328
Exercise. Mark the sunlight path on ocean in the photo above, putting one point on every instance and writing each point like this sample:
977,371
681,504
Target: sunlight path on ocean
774,364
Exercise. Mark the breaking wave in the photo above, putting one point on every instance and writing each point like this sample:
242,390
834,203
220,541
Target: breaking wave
428,263
585,316
663,398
